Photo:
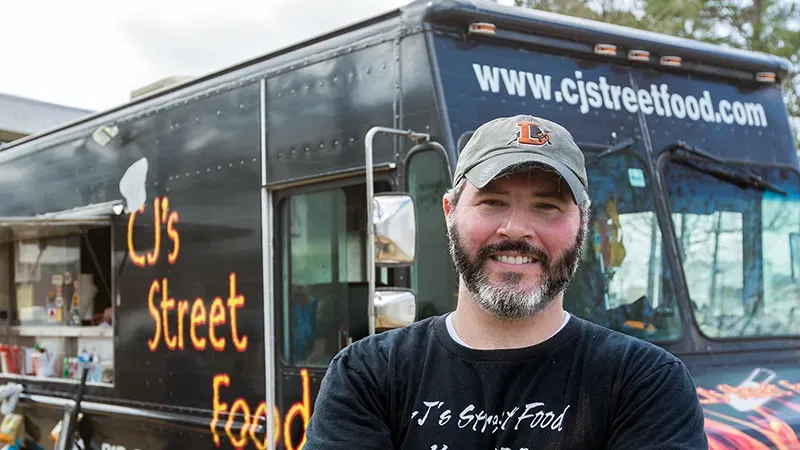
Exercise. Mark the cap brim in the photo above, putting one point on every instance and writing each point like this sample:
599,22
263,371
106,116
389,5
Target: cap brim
488,170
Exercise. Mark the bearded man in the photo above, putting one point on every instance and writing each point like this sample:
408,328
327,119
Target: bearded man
509,368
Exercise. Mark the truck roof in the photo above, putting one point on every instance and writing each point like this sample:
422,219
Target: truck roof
543,23
513,21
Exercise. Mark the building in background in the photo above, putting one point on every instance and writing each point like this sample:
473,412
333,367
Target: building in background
21,116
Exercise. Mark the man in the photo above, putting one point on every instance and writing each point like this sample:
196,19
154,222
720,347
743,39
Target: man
509,369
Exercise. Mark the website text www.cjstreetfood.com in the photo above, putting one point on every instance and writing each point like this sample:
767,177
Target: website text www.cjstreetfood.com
599,94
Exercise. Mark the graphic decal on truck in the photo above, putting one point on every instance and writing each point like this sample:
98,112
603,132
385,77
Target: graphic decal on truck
598,94
250,419
206,325
761,412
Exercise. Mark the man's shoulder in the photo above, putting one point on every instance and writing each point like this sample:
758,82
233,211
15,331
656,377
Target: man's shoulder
380,348
647,397
632,354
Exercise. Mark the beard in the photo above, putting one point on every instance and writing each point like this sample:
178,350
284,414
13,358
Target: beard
510,300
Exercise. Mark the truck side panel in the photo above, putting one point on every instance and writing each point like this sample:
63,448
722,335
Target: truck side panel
207,170
318,115
192,251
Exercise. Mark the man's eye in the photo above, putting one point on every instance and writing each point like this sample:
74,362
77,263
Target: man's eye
492,202
546,206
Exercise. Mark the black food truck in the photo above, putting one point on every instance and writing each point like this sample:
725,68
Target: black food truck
178,271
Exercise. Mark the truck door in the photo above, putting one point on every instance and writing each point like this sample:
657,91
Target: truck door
320,291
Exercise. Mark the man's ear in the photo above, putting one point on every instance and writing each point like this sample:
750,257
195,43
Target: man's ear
446,206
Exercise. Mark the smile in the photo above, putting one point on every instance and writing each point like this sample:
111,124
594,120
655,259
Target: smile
514,259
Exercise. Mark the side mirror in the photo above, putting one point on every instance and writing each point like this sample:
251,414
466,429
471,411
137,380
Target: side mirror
395,223
394,308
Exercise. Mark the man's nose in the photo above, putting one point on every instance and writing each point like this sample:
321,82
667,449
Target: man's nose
517,225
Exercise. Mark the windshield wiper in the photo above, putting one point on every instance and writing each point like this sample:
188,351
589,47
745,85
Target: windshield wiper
736,176
618,147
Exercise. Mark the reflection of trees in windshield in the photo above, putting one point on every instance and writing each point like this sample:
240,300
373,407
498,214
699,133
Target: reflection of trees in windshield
621,281
735,246
781,243
638,273
711,249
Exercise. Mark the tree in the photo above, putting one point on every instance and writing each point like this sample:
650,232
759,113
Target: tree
604,10
770,26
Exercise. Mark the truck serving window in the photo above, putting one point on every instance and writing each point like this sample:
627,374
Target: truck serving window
623,282
57,292
740,247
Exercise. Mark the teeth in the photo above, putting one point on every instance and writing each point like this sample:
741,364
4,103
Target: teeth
514,259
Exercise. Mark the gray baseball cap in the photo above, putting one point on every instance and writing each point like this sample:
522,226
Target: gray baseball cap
507,141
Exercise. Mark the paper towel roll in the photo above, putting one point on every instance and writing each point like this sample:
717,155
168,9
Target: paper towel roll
86,292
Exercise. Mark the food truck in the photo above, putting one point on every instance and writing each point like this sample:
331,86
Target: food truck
179,270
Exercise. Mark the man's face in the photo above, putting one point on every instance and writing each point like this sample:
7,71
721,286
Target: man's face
516,243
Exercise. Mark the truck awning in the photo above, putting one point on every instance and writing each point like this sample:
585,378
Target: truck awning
60,223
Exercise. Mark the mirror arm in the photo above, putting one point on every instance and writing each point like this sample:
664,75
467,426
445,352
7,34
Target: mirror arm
368,154
427,146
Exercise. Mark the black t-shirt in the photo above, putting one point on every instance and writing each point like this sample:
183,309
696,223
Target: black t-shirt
586,387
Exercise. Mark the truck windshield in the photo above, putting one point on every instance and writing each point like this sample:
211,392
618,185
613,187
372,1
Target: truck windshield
736,250
740,249
623,282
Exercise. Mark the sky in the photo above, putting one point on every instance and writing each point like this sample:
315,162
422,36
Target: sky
91,54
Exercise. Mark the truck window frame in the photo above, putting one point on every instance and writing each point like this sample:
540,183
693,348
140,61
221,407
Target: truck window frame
75,225
665,160
424,238
669,286
384,182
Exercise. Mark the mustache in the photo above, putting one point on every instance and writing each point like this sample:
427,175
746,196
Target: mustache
521,247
